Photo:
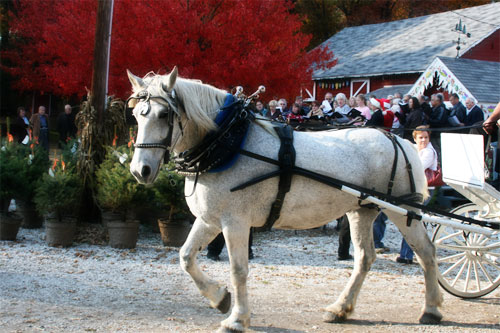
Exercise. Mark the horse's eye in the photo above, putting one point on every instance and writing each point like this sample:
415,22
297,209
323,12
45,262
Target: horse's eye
162,115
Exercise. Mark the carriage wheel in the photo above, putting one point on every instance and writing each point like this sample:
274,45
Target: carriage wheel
468,263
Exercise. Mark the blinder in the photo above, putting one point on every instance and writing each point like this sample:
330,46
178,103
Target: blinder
143,101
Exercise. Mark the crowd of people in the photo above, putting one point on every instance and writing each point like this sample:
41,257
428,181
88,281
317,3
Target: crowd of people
397,113
36,127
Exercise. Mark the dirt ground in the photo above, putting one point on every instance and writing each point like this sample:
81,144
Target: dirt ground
93,288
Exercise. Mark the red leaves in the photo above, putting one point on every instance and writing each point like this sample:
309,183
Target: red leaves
224,43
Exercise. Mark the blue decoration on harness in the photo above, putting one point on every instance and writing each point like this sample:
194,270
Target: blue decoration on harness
230,109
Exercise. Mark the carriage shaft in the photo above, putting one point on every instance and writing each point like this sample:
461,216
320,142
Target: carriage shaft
423,217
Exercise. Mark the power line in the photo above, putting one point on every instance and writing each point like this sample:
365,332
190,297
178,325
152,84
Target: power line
471,18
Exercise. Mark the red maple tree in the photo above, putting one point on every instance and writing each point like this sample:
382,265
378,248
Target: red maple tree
222,42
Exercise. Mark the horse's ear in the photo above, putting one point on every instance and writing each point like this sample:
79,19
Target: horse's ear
137,82
172,77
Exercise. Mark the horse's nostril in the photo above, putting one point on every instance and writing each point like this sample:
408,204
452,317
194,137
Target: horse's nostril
146,171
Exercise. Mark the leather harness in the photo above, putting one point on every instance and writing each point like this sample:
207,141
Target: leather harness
286,162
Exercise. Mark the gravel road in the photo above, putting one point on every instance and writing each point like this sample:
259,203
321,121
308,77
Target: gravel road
94,288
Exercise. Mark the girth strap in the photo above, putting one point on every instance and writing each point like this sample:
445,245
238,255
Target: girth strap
286,159
394,164
395,143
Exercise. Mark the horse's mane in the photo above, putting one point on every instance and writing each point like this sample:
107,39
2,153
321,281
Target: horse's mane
198,99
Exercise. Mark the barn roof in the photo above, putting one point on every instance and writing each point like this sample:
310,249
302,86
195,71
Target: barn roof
482,78
391,90
405,46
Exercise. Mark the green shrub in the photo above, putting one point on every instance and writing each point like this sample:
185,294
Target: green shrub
21,167
116,187
59,192
11,170
169,193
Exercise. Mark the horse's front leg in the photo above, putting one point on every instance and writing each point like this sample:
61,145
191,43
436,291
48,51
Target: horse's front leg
237,245
201,234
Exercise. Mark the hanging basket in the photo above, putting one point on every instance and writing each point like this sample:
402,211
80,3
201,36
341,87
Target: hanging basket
123,235
60,233
9,226
174,232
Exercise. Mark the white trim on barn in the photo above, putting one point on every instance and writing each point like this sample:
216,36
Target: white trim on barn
364,83
447,80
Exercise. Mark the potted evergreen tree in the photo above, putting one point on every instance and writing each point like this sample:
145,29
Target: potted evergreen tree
11,169
36,163
169,196
115,193
58,196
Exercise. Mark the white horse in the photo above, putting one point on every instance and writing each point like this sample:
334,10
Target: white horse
360,156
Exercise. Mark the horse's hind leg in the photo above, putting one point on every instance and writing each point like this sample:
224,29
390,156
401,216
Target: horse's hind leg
417,238
237,246
201,234
361,222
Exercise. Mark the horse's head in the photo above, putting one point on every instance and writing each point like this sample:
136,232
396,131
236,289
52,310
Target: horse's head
155,108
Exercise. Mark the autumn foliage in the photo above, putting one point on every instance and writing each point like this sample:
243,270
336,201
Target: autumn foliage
224,43
324,18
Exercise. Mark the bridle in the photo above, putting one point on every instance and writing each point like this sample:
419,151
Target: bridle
171,111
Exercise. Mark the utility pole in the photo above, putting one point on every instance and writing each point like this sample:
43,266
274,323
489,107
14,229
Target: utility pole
99,88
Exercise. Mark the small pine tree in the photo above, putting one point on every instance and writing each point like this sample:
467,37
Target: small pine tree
59,192
11,170
116,187
20,169
169,193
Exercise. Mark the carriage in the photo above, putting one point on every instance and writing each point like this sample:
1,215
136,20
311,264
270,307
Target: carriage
243,171
468,261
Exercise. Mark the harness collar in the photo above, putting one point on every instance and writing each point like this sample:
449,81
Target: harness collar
218,151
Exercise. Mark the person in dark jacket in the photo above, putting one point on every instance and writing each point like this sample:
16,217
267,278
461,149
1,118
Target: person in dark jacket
377,119
458,109
426,108
66,125
39,123
439,113
20,126
438,119
414,118
474,114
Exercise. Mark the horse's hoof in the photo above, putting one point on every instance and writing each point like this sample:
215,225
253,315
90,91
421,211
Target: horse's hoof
330,317
430,319
225,304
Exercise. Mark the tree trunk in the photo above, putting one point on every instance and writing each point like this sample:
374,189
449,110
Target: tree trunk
102,45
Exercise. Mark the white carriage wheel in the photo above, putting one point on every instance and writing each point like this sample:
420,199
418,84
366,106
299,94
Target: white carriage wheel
468,263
